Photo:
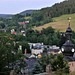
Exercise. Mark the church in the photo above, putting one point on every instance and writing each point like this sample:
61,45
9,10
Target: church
68,49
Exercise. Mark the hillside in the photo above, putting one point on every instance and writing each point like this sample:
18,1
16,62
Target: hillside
27,12
45,15
5,15
60,23
21,13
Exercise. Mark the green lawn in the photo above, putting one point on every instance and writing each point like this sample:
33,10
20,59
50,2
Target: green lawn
59,23
28,17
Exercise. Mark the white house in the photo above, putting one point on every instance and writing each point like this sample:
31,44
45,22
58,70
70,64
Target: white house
36,48
36,51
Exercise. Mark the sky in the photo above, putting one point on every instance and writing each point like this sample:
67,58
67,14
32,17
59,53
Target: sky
17,6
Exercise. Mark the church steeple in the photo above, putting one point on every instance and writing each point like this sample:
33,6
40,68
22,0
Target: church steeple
69,20
69,31
68,46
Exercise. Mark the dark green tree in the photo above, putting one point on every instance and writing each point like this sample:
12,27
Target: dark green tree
60,64
44,61
37,69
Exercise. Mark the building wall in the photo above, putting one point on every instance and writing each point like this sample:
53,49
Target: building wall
37,51
52,52
72,66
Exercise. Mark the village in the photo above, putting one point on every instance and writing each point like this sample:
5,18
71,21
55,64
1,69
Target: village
37,37
39,49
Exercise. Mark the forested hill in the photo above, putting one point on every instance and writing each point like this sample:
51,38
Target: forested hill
65,7
6,15
27,12
44,15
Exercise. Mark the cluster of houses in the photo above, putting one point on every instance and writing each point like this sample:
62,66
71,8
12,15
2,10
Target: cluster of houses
67,49
22,31
38,49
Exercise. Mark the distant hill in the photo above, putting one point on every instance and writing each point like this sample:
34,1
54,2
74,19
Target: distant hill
22,13
6,15
60,23
58,9
27,12
45,15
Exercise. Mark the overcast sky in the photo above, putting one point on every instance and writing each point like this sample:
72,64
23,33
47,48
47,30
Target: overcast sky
16,6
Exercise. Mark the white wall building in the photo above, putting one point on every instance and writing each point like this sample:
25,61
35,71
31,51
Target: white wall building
36,48
36,51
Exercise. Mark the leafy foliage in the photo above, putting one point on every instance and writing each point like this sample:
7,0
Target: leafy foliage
60,64
8,52
44,61
38,18
57,63
37,69
45,15
5,52
47,36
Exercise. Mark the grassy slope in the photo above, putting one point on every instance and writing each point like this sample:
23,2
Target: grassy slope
60,23
28,17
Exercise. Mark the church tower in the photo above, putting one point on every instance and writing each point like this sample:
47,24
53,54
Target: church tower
68,47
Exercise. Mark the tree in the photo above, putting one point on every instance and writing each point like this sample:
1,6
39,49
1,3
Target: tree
8,53
2,25
48,30
5,53
37,69
59,64
55,39
44,61
37,16
26,46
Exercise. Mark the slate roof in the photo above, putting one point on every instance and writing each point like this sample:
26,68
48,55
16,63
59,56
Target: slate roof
68,43
69,58
55,50
69,29
31,63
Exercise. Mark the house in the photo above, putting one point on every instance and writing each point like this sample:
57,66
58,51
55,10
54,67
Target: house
36,48
36,51
13,31
53,49
22,30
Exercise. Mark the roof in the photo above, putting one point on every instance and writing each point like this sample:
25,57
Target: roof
68,43
32,56
69,29
69,58
55,50
31,63
27,55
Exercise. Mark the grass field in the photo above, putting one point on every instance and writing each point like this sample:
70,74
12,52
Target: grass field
59,23
28,17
